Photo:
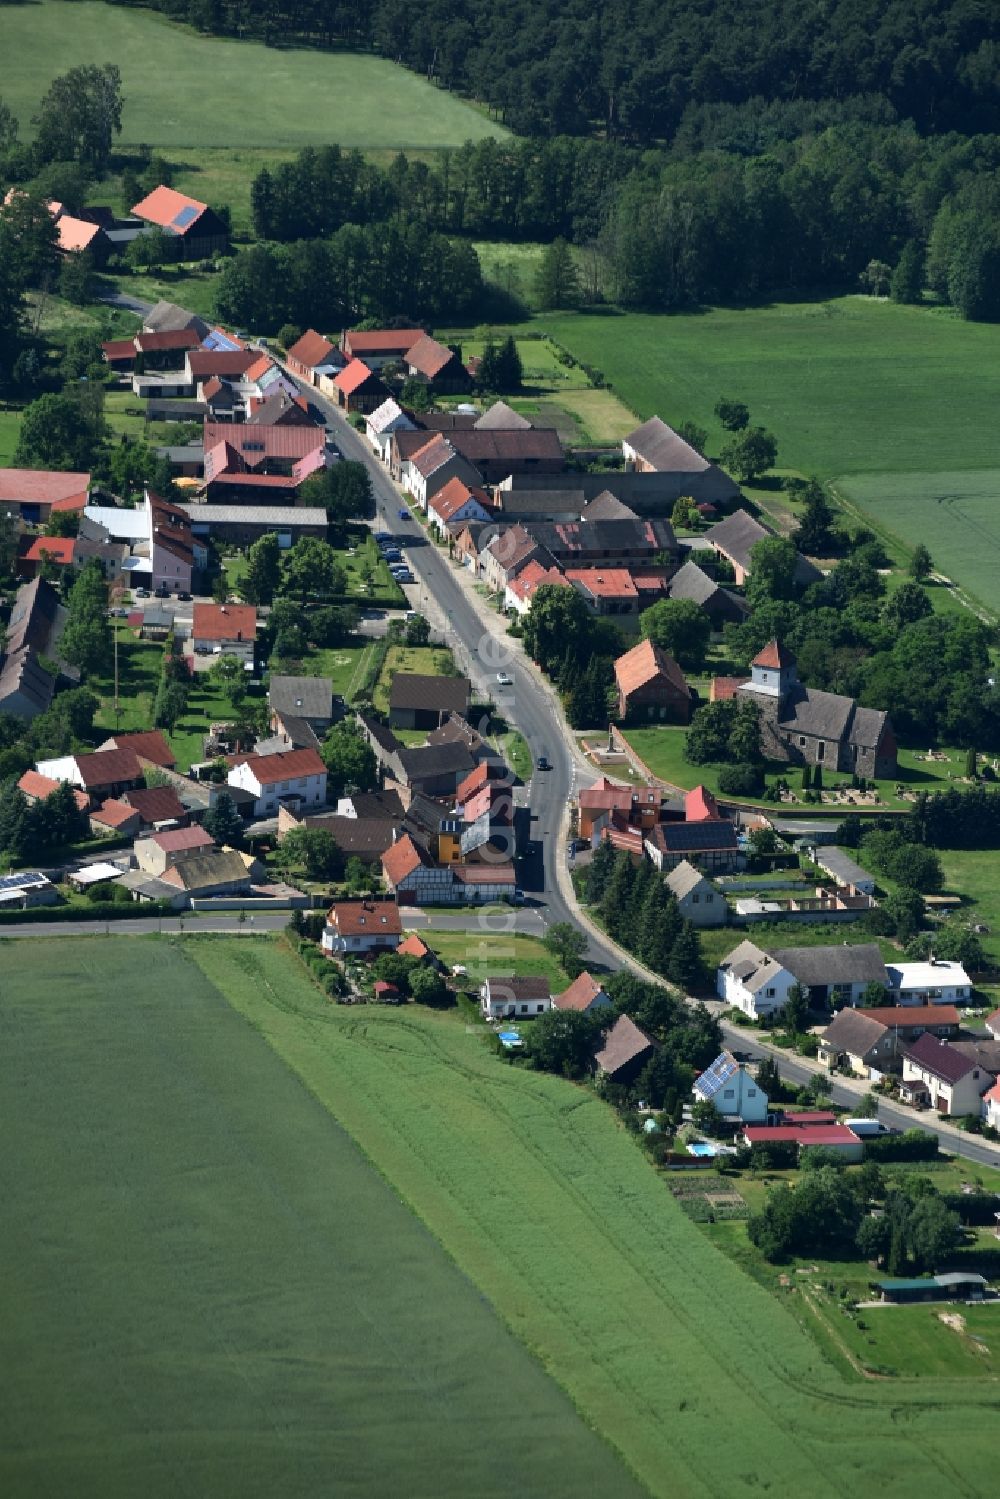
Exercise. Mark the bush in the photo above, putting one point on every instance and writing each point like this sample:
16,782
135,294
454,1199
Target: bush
914,1145
741,780
106,910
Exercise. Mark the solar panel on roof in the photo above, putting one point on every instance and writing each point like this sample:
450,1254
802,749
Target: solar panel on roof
712,1079
185,217
21,881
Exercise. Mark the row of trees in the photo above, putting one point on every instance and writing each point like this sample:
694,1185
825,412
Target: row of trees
382,270
30,830
641,913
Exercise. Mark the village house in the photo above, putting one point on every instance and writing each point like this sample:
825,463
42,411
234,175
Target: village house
245,524
37,788
148,745
606,590
507,554
809,727
625,1051
225,629
651,686
362,927
520,591
497,453
642,807
381,423
101,775
709,845
872,1040
32,494
297,701
835,1137
380,346
656,448
439,368
416,878
27,889
295,776
937,1075
195,230
991,1105
312,353
265,464
835,975
698,900
161,851
157,805
358,388
721,606
731,1090
938,981
584,995
454,504
748,979
417,701
505,998
210,873
36,622
605,543
432,466
735,537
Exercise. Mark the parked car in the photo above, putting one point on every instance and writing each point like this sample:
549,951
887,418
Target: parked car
142,593
402,575
381,536
161,592
404,515
118,613
184,597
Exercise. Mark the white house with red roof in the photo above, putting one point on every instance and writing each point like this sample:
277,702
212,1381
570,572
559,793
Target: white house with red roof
161,851
584,995
225,629
292,776
520,590
361,926
991,1106
457,502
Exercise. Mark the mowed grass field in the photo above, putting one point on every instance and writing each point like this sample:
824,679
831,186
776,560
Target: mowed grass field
699,1375
182,88
897,405
206,1289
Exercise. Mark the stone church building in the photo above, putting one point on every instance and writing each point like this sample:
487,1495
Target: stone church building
805,726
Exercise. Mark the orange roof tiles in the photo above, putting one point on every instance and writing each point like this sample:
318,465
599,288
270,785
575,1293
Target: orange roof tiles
643,664
311,349
413,947
774,657
381,341
580,995
115,814
452,496
365,918
604,582
400,859
149,744
352,377
33,783
55,548
170,209
39,486
225,622
76,234
700,806
428,357
291,765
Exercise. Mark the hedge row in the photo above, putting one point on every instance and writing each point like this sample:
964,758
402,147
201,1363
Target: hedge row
104,910
914,1145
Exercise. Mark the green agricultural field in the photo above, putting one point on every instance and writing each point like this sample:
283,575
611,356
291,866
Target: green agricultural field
205,1288
955,514
703,1379
227,93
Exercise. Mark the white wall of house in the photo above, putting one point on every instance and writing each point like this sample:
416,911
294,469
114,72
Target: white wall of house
311,789
333,942
764,1001
937,983
741,1096
498,1005
992,1106
963,1097
704,906
242,649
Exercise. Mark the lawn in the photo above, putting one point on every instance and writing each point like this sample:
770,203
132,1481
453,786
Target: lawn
662,749
489,953
139,664
697,1374
560,395
972,873
296,97
206,1288
10,428
193,289
424,660
717,941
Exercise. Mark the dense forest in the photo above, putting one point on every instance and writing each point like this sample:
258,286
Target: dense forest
644,71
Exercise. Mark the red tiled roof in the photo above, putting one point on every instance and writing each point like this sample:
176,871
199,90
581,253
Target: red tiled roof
254,444
904,1017
287,766
226,362
114,813
362,918
484,874
437,451
352,377
604,582
413,947
260,367
75,234
156,803
801,1117
400,859
643,664
39,486
257,481
175,840
428,357
534,576
700,806
211,388
581,993
55,548
453,495
623,1044
774,657
311,349
381,341
105,766
818,1134
224,622
173,338
149,744
170,209
33,783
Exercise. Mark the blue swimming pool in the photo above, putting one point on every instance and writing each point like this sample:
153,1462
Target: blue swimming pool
702,1147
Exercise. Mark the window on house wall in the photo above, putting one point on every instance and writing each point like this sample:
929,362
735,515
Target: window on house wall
821,751
770,993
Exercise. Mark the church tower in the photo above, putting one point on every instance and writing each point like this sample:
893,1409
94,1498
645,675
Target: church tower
773,673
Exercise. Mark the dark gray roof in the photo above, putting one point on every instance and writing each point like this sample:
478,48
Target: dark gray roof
304,697
831,715
500,415
853,1031
611,537
165,317
355,835
424,816
175,411
648,493
739,533
607,506
695,837
376,804
689,582
22,676
665,449
35,616
941,1058
379,733
841,963
414,690
434,760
